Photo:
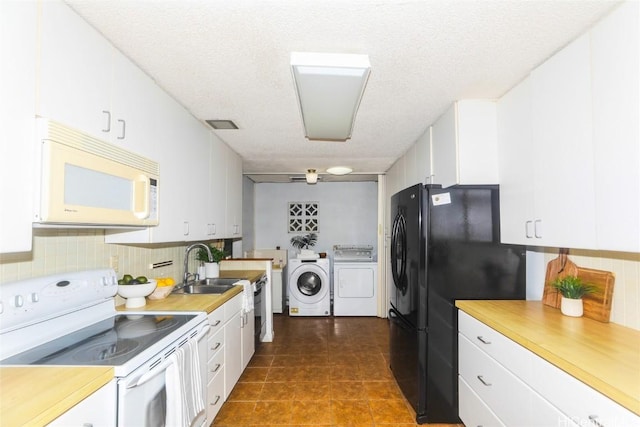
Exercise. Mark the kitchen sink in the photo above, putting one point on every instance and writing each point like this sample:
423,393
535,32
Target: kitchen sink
207,286
204,289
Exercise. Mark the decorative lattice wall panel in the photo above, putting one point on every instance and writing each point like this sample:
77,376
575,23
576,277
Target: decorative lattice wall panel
303,217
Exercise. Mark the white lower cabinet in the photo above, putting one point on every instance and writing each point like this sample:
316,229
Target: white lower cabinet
503,383
97,410
248,326
472,410
232,343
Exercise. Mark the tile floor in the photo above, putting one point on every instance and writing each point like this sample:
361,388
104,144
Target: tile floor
318,371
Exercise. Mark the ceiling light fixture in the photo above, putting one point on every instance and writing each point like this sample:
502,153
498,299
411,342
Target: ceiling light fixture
339,170
311,176
329,88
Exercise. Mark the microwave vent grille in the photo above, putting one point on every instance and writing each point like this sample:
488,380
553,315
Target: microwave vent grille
62,134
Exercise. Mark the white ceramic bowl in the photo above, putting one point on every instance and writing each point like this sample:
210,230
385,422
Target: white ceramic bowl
135,294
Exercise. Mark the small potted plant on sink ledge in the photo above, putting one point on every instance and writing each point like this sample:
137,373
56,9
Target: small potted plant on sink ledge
572,290
207,269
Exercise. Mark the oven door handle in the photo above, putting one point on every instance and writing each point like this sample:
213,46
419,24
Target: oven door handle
165,364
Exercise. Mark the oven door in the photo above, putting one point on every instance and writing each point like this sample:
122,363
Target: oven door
142,395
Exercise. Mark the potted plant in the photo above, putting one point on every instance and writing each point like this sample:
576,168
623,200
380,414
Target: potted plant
304,241
572,290
208,269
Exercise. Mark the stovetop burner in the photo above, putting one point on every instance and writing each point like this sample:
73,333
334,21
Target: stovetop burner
105,352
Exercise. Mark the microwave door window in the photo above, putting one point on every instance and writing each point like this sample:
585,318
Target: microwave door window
91,188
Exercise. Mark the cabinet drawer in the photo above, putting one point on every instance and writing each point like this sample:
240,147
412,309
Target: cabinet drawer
508,353
215,365
232,306
578,401
472,410
216,319
215,343
215,396
502,391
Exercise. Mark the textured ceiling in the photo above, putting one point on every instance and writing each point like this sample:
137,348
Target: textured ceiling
230,60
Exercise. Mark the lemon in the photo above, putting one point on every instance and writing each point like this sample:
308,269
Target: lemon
169,281
161,281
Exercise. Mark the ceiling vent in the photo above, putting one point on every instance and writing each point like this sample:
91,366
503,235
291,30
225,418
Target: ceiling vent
222,124
301,178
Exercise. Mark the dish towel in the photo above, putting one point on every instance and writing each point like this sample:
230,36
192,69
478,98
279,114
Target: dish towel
183,382
247,295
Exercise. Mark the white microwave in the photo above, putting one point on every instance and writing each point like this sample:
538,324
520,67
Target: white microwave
83,181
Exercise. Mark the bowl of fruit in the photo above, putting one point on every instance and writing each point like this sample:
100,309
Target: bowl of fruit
135,290
164,288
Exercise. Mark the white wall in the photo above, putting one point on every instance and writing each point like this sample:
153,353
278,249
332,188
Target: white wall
248,212
348,213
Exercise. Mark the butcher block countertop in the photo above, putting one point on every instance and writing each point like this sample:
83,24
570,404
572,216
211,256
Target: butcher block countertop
200,302
35,396
606,356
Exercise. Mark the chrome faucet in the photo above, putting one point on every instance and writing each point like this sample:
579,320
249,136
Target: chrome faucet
185,276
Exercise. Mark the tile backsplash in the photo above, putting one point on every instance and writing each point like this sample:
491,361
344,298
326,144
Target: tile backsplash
60,250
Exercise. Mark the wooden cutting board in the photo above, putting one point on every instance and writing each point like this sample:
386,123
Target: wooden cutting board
597,305
559,267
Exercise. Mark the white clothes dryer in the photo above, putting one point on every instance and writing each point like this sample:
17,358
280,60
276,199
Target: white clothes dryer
309,287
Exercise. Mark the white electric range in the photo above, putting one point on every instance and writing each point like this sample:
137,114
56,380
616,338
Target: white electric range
70,319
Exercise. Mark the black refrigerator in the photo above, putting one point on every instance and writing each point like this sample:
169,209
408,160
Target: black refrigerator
445,245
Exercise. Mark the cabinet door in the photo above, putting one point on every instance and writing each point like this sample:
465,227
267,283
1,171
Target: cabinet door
234,195
464,144
615,47
17,98
515,153
74,71
248,337
563,155
97,410
216,210
232,353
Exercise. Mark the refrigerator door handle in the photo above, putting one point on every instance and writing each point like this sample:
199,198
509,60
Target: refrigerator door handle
399,319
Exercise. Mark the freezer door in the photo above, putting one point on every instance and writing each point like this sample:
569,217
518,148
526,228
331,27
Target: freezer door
408,359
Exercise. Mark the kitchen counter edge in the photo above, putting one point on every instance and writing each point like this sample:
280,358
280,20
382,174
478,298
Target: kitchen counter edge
604,356
58,390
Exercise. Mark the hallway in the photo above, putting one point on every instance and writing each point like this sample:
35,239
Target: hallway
330,371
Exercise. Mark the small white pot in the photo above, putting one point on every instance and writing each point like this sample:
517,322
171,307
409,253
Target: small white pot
212,270
571,307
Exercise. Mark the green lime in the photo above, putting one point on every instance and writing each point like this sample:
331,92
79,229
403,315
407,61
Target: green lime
121,282
127,278
141,279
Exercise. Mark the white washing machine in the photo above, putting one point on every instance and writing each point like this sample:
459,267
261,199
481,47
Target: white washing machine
355,281
309,287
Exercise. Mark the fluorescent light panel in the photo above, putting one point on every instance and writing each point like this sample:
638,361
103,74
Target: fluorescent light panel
329,88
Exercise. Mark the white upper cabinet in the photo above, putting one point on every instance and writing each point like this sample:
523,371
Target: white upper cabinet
516,165
85,83
74,71
234,195
546,154
616,130
569,144
563,148
464,144
216,204
17,98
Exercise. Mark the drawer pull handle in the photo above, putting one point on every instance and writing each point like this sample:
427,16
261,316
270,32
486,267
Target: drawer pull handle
482,340
217,346
594,420
483,381
217,367
217,322
215,402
